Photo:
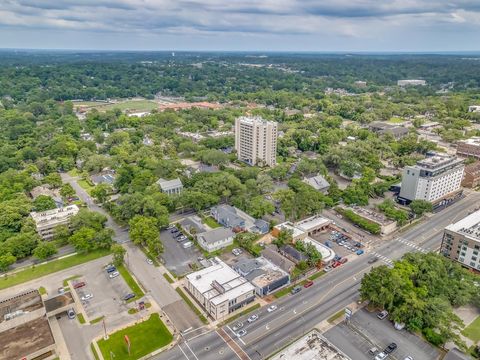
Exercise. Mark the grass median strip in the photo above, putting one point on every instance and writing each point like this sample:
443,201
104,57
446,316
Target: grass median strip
98,319
191,305
144,338
336,316
132,284
169,279
80,318
317,275
94,351
51,267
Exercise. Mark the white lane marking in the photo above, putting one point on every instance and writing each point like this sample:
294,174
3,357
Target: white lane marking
241,340
183,352
189,348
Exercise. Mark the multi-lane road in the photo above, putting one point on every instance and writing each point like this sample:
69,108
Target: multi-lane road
296,314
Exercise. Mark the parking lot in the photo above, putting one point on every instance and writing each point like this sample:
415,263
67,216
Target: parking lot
342,244
107,293
175,257
365,331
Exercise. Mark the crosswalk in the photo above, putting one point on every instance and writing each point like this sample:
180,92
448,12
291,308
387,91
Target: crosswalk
383,258
412,245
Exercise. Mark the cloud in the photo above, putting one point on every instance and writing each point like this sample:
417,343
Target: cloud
357,19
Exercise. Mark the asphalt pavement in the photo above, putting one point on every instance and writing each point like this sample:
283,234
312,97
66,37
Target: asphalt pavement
299,313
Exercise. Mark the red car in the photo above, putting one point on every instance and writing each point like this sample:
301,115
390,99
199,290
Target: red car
343,260
79,285
308,284
336,264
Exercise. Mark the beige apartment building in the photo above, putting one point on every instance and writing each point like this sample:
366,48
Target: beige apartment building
461,241
256,141
47,221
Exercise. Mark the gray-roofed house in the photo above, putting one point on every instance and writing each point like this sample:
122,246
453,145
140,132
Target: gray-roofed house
215,239
233,218
272,254
263,274
398,132
193,224
170,187
293,254
318,183
103,177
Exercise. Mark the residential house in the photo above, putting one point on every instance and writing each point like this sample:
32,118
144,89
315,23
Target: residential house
215,239
170,187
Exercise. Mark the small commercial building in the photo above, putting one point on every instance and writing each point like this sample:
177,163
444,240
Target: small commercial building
411,82
47,221
25,331
383,128
461,241
474,108
170,187
263,274
215,239
272,253
297,234
220,289
313,224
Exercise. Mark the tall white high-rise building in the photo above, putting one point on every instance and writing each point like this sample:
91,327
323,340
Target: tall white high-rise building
256,140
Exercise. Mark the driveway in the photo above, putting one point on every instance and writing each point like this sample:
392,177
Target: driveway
365,330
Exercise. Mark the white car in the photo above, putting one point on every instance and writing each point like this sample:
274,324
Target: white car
272,308
113,274
242,333
381,356
87,297
252,318
408,358
237,326
150,261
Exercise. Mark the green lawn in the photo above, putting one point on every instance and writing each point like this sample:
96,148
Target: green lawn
74,172
191,305
85,185
32,273
144,337
317,275
133,105
130,282
396,120
472,331
211,222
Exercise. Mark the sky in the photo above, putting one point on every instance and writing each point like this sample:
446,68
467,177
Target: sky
242,25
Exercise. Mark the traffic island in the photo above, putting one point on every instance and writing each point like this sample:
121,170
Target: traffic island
136,341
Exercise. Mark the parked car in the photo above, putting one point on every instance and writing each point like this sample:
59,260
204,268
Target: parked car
181,238
86,297
390,348
381,356
336,264
174,230
272,308
382,314
71,313
408,358
343,260
327,268
237,326
79,284
129,296
252,318
328,244
295,290
242,333
111,269
308,284
171,226
149,261
61,290
373,260
360,252
373,351
236,251
113,274
187,245
337,257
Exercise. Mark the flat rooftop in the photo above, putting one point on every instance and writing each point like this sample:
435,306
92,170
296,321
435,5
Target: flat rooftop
289,226
58,302
472,141
26,339
54,216
371,215
469,226
313,222
438,161
26,302
312,346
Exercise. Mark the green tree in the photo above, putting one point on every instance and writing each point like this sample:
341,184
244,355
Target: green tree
44,250
419,207
83,238
61,233
67,191
53,179
101,192
118,252
6,260
143,229
89,219
44,202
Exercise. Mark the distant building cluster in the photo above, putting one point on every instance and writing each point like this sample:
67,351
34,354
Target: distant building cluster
411,83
